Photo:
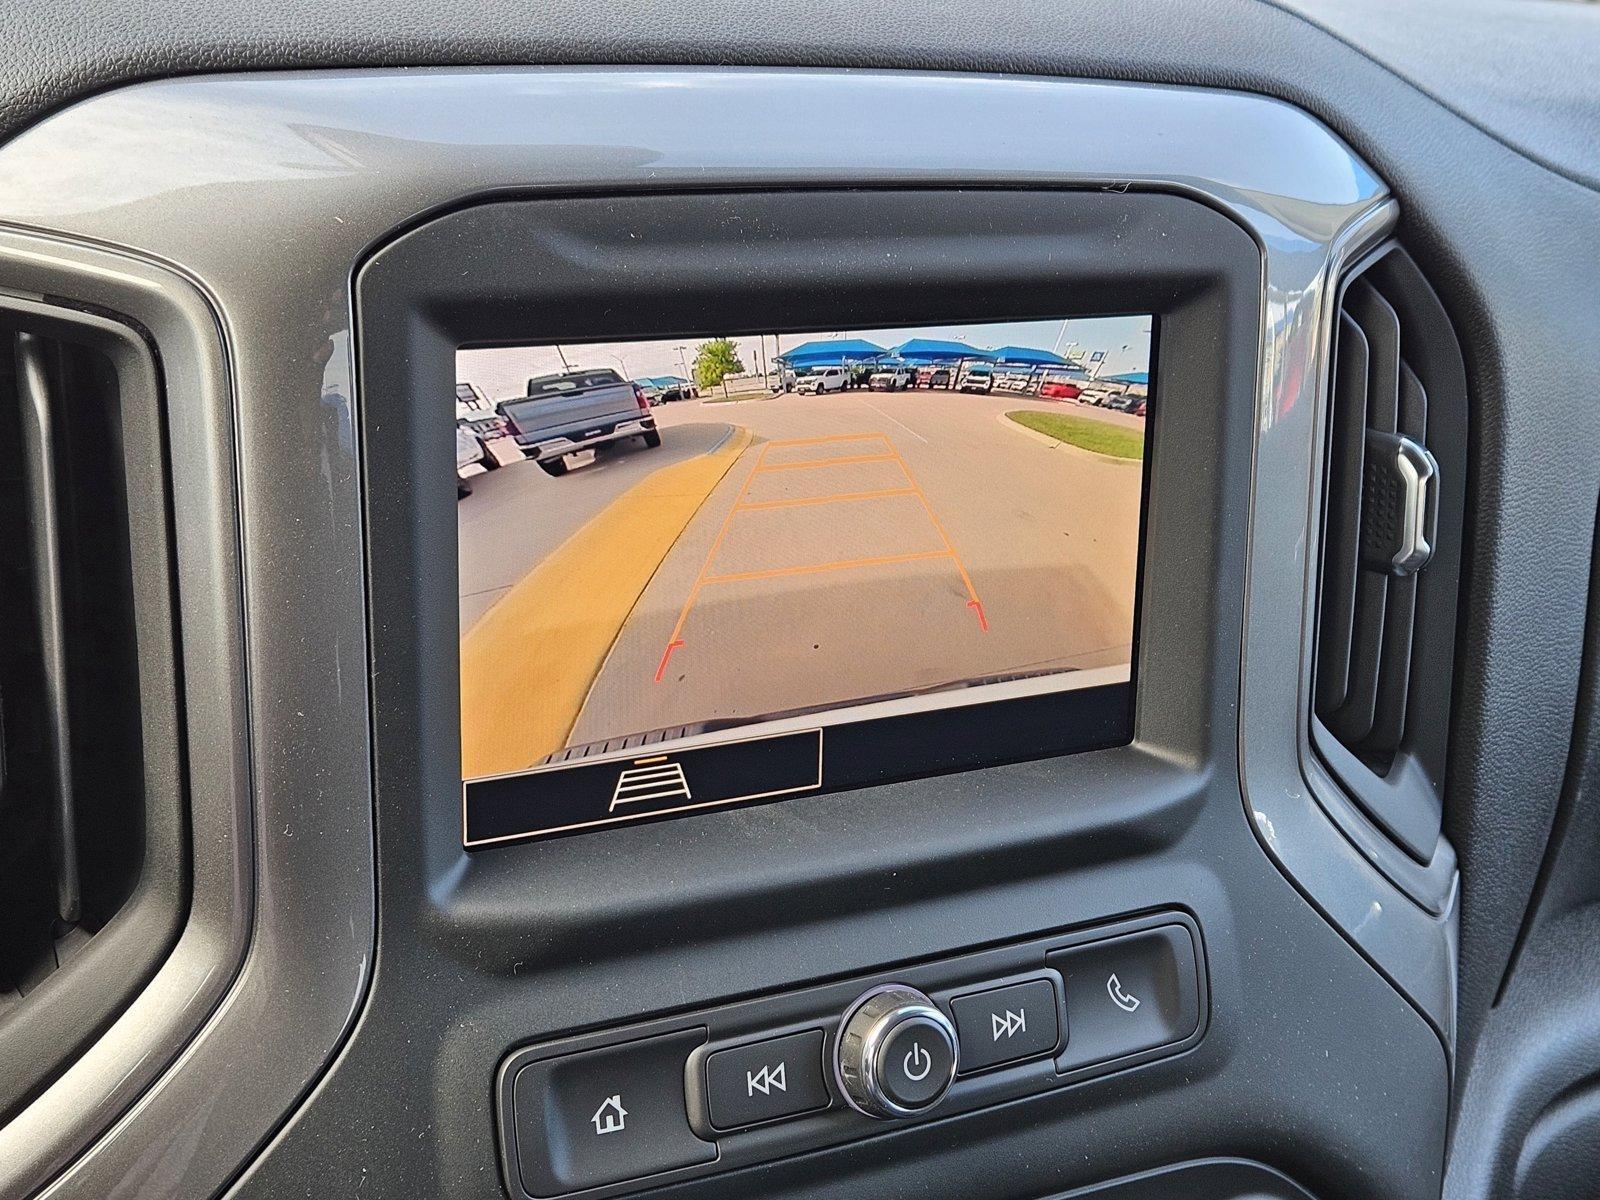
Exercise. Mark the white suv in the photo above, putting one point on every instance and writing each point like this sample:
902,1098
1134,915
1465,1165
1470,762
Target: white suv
828,379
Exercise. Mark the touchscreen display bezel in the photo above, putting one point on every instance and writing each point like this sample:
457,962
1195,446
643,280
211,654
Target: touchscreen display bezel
488,273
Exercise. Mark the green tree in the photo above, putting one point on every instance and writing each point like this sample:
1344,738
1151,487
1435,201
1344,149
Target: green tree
714,361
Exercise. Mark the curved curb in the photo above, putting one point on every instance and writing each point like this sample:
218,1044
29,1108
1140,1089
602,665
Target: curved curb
1058,444
528,664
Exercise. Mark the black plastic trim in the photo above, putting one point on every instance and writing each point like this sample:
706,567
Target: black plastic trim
41,1036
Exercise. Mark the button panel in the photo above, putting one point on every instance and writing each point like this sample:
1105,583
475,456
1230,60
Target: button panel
756,1080
766,1081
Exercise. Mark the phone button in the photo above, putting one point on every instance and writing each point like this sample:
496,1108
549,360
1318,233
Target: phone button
1128,994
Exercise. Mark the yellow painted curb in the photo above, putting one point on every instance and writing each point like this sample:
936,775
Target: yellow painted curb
528,664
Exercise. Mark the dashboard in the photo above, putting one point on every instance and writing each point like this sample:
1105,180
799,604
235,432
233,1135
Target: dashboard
1013,621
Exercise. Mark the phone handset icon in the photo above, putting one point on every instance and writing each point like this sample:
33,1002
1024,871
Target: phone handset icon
1126,1001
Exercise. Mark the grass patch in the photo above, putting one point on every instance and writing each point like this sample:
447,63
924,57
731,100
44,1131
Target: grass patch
1102,437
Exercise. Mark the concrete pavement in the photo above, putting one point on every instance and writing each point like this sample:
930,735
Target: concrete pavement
937,546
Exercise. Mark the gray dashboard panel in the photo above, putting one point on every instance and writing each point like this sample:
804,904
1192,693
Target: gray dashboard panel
232,178
1507,241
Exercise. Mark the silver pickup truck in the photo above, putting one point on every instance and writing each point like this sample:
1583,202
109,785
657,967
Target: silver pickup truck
577,410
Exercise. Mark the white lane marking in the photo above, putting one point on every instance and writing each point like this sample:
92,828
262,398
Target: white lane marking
902,424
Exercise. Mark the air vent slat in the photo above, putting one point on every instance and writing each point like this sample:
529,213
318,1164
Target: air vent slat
39,449
1389,714
1352,721
1342,545
1381,325
1413,406
1396,460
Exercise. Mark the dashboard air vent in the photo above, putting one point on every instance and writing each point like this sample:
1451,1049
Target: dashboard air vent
91,840
1391,544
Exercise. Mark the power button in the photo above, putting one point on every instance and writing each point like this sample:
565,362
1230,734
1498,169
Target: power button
896,1053
917,1062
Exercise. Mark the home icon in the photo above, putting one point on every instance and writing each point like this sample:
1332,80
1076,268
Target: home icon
610,1117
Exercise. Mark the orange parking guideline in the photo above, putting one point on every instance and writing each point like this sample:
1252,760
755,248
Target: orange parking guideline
829,462
832,437
972,595
838,497
818,568
676,640
738,506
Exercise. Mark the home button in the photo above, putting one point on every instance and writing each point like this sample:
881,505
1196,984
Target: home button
605,1116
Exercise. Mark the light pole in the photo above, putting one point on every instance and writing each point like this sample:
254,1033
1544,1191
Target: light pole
684,364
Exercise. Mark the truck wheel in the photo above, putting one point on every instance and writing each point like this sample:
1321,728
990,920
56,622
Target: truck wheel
652,438
554,466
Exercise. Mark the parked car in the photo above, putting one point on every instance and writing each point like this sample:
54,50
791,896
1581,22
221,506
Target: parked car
653,394
493,432
889,381
978,379
1058,389
933,377
577,410
824,379
469,460
671,387
1123,401
1095,395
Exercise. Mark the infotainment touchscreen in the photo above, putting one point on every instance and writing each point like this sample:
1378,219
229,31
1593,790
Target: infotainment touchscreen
713,571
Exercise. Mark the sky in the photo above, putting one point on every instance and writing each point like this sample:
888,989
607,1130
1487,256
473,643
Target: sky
504,371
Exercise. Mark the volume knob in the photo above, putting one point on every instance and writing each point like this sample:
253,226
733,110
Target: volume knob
896,1053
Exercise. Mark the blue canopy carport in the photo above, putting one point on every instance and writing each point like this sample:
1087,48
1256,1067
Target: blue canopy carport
1027,356
927,351
935,352
1034,360
835,352
848,353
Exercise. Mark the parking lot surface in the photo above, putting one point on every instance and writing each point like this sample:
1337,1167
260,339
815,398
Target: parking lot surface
861,545
870,544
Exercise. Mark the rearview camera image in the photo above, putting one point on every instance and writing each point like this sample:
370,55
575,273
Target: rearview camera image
746,542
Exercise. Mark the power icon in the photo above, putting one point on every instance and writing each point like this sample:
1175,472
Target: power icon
918,1063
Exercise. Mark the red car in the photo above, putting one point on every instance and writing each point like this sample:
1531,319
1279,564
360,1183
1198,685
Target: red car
1055,389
